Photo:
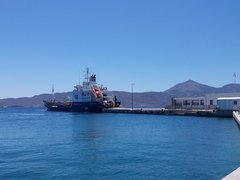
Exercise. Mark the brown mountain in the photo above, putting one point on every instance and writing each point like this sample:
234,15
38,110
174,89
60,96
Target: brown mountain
190,88
145,99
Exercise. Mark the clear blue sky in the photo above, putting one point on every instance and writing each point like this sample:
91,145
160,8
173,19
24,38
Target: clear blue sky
153,43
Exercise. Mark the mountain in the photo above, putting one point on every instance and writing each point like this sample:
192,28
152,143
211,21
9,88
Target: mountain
189,88
145,99
35,101
230,88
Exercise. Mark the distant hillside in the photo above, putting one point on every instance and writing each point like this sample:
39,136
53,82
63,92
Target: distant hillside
190,88
230,88
35,101
146,99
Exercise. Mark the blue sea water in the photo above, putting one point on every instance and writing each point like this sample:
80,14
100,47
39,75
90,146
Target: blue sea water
36,144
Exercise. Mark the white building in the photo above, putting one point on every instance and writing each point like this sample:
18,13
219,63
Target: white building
206,102
228,103
188,103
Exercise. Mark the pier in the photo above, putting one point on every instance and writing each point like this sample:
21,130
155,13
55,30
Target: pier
236,116
162,111
235,175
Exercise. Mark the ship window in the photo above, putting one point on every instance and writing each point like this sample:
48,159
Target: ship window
211,102
201,102
186,102
76,96
195,102
235,102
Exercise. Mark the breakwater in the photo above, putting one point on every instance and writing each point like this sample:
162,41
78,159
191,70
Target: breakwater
163,111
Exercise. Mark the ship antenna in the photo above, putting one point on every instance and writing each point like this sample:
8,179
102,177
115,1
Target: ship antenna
53,98
79,78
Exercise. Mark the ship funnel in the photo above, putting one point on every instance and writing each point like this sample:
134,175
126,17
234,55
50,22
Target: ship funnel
93,78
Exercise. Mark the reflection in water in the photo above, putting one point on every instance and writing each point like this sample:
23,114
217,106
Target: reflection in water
87,127
88,137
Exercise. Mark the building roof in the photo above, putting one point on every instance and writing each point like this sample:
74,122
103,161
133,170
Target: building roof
228,98
189,98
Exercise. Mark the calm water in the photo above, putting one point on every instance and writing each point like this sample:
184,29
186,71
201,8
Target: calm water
35,144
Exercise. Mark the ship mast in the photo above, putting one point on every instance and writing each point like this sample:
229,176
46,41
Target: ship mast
53,93
87,74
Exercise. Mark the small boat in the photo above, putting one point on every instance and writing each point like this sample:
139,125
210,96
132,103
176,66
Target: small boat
236,116
88,97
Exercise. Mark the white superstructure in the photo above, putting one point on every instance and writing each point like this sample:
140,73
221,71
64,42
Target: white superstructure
89,91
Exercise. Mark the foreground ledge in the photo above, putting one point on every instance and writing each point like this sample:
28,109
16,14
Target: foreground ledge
235,175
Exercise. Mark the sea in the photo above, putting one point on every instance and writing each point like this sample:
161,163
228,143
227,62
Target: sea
38,144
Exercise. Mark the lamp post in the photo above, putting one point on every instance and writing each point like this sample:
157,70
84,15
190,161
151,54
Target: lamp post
235,77
132,84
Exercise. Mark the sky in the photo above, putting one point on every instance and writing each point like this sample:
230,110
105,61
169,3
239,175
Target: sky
154,44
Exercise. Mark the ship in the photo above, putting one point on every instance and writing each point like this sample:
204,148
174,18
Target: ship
88,97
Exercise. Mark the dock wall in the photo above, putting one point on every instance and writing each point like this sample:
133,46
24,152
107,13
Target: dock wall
162,111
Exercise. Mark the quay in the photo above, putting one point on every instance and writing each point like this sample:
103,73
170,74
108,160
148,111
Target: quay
163,111
235,175
236,116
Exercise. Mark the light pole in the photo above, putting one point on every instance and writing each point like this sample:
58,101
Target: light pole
235,77
132,84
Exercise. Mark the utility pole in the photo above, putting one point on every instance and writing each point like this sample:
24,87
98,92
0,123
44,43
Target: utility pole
132,84
235,77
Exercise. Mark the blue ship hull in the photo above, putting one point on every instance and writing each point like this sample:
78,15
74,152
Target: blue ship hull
74,106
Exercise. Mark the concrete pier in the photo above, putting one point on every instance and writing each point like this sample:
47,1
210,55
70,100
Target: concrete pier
236,115
162,111
235,175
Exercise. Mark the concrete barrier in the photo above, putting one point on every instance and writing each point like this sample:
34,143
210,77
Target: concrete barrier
235,175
